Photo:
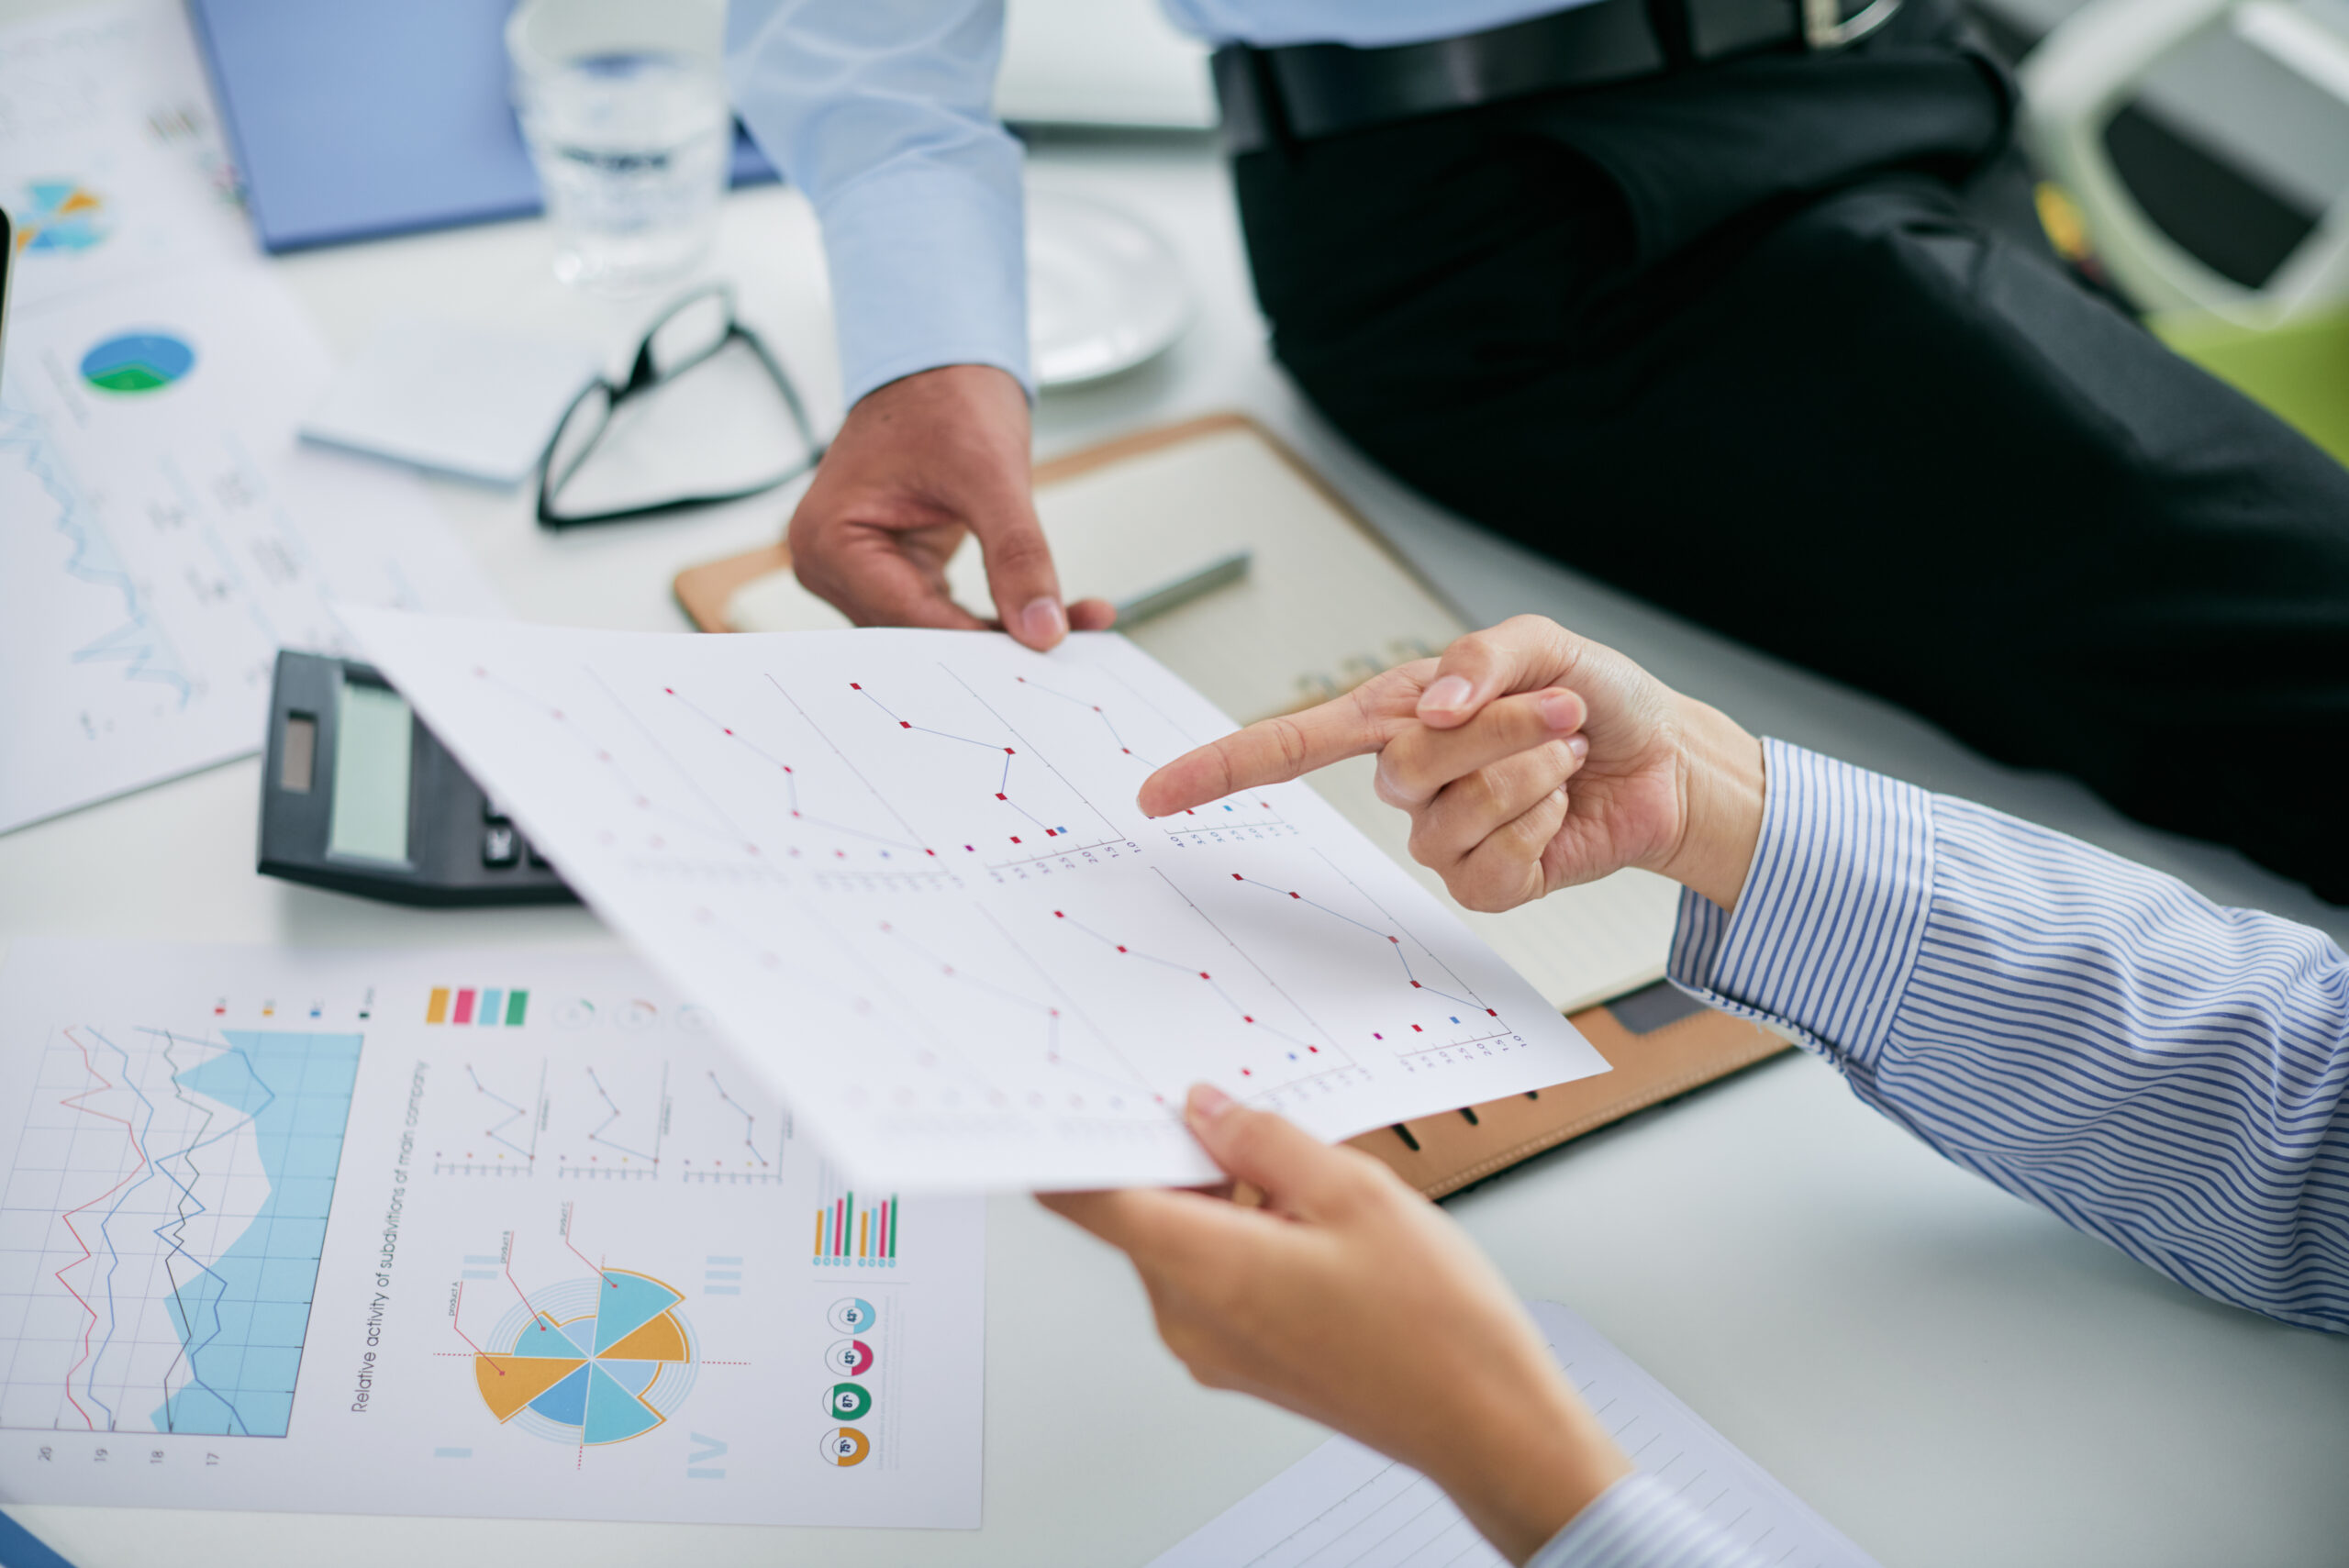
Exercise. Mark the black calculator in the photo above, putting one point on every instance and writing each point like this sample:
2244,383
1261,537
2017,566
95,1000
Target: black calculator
356,794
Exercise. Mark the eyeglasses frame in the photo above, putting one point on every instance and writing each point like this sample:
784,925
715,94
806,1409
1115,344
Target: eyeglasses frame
644,377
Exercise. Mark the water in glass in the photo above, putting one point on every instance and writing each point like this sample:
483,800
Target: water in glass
633,148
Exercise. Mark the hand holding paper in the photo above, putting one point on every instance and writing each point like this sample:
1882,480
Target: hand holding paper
1354,1301
904,871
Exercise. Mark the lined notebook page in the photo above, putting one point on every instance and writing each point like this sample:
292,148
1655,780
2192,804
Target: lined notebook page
1323,607
1343,1505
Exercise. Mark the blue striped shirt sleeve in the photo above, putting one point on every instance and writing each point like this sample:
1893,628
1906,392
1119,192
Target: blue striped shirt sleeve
2088,1034
1641,1522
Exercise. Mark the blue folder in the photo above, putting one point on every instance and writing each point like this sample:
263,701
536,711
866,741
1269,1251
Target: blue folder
355,119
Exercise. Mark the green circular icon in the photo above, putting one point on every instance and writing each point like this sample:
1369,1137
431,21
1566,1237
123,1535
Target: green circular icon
847,1401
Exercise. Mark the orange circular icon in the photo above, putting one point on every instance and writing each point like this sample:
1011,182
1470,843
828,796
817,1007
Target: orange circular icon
844,1446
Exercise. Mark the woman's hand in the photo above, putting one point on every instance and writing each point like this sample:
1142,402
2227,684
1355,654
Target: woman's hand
1350,1299
1530,758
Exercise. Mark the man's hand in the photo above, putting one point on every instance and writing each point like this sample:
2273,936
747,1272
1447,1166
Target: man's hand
1530,760
1350,1299
918,465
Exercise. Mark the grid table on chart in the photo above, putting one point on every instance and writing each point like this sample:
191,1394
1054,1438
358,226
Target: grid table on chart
161,1225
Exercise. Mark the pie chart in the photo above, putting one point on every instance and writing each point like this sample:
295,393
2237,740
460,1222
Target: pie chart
61,216
590,1361
137,363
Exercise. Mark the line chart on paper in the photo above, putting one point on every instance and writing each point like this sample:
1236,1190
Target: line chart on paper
161,1225
905,873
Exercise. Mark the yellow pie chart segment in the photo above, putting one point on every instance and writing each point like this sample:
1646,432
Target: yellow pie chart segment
659,1340
509,1383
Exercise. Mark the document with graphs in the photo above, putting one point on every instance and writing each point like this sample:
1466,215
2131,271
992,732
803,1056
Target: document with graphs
905,873
162,531
488,1232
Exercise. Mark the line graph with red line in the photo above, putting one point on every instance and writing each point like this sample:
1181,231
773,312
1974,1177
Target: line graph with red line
161,1225
907,870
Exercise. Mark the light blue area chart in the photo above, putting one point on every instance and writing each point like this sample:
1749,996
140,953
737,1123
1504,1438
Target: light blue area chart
184,1229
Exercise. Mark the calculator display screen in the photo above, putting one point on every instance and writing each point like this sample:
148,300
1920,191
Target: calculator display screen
373,733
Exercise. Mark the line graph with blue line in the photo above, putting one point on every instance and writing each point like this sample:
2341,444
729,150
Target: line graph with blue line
138,643
160,1230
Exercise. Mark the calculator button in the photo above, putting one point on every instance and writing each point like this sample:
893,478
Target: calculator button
491,812
500,846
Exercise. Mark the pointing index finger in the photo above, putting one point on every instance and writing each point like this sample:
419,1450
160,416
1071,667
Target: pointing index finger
1273,750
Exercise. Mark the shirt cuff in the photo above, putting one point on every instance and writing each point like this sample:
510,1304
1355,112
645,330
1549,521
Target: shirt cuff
1827,928
1640,1522
929,268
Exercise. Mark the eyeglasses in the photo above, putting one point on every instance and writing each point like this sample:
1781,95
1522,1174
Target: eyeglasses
692,332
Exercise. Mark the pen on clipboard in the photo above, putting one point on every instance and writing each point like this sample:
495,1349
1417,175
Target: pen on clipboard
1216,573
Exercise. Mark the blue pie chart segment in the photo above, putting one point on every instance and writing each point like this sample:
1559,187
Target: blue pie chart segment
627,1303
634,1376
137,361
566,1402
541,1338
614,1415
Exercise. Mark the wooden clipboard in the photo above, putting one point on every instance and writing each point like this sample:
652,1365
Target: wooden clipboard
1659,1044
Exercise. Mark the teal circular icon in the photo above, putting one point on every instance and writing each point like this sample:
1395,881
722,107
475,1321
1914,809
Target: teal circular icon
852,1315
848,1401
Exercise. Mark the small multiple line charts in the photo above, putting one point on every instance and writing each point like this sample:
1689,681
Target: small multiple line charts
589,1362
162,1227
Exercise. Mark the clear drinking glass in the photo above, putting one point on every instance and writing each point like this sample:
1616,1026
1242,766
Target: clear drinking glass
623,105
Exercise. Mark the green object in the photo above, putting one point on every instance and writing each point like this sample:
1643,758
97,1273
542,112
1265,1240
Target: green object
2298,371
516,1003
373,738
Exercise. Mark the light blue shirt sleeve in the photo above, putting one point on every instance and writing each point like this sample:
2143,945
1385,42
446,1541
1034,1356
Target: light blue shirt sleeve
881,112
2090,1035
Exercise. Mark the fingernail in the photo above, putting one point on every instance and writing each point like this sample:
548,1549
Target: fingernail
1449,694
1043,621
1579,745
1208,1104
1559,710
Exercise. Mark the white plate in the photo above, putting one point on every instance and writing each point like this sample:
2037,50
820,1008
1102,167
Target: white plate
1104,291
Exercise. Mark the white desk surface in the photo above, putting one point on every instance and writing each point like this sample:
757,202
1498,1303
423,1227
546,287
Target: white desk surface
1949,1377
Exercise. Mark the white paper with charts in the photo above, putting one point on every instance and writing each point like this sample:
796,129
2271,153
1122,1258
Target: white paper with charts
162,533
906,870
481,1232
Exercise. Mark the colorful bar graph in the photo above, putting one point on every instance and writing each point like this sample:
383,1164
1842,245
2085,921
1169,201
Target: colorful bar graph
436,1011
867,1234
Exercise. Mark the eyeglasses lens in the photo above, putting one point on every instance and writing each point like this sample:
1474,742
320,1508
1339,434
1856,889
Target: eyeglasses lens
690,334
579,431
